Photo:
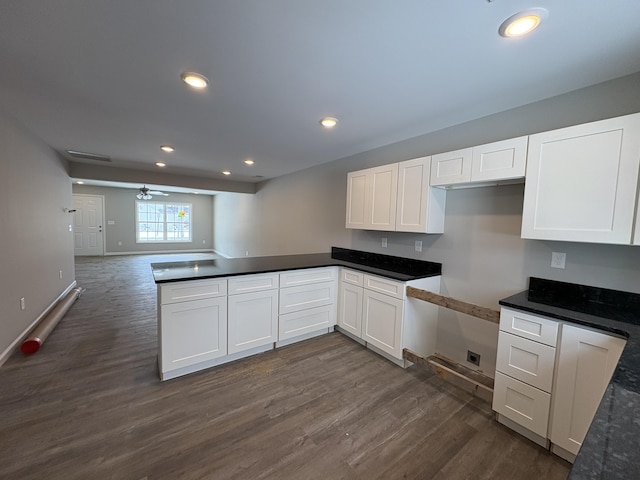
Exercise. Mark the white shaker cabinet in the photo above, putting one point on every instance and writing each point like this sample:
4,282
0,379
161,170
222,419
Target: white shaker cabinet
496,161
192,325
350,296
586,362
371,198
395,197
420,208
582,181
382,326
253,312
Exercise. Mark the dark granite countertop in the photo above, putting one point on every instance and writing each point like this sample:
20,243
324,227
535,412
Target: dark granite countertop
610,449
397,268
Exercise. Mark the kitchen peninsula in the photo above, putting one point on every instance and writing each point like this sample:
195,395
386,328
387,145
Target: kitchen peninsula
215,311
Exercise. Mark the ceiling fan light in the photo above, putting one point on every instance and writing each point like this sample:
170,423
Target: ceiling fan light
328,122
144,194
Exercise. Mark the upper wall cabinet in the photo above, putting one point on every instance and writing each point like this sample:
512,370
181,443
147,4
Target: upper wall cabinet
582,183
395,197
497,161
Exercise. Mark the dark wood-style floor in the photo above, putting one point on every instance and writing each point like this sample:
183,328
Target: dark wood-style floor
89,405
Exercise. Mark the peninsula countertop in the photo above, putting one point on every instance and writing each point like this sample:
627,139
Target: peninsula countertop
397,268
610,449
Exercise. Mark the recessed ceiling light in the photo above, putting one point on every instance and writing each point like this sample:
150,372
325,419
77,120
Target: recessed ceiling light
160,164
329,122
522,23
79,182
194,79
167,148
248,161
226,172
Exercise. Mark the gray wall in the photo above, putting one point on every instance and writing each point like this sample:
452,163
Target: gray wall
484,259
34,230
119,206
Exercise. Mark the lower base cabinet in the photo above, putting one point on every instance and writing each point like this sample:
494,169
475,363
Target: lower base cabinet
253,320
552,393
192,332
586,362
382,326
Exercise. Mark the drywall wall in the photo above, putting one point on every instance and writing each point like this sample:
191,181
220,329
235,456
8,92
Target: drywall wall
34,230
120,236
484,259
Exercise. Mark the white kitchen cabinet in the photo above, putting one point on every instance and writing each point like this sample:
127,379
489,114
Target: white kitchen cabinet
395,197
382,322
582,181
525,364
253,320
497,161
451,167
307,302
190,333
419,207
371,198
504,160
350,296
586,361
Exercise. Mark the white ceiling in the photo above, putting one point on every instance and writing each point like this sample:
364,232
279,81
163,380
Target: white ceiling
104,76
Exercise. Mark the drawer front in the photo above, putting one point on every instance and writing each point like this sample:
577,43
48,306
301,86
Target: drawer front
294,278
352,277
194,290
303,297
522,403
252,283
384,285
292,325
527,325
526,360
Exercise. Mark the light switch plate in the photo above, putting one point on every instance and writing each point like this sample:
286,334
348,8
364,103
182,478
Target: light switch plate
418,245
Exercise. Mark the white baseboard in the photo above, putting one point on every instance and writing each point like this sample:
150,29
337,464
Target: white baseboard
4,356
155,252
223,255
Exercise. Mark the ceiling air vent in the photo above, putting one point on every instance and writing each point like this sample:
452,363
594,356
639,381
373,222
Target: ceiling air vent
88,156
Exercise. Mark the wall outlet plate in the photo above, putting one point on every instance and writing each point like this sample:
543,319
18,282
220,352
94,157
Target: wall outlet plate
473,357
384,242
558,259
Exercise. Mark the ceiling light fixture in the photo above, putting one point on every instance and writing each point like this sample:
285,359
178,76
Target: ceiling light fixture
226,172
248,161
522,23
79,182
167,148
328,122
194,79
144,194
160,164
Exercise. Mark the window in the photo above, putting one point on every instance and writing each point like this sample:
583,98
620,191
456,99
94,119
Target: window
158,222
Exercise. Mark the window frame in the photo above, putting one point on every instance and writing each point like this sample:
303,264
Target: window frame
166,221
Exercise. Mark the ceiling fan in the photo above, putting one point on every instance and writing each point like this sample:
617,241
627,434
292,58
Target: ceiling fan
146,194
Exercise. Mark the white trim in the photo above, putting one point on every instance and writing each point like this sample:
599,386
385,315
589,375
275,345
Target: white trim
153,252
4,356
223,255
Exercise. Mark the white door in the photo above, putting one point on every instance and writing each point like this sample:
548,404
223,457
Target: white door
88,224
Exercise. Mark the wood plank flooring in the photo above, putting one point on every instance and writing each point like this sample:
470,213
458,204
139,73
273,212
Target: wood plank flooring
89,405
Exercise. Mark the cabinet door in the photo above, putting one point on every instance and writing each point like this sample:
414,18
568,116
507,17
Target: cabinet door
420,208
350,309
502,160
382,326
253,320
383,197
586,362
357,183
581,182
192,332
451,167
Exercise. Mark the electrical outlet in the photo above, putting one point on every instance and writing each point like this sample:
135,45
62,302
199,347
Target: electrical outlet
558,259
22,304
246,254
384,242
204,242
473,357
119,243
60,274
418,245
